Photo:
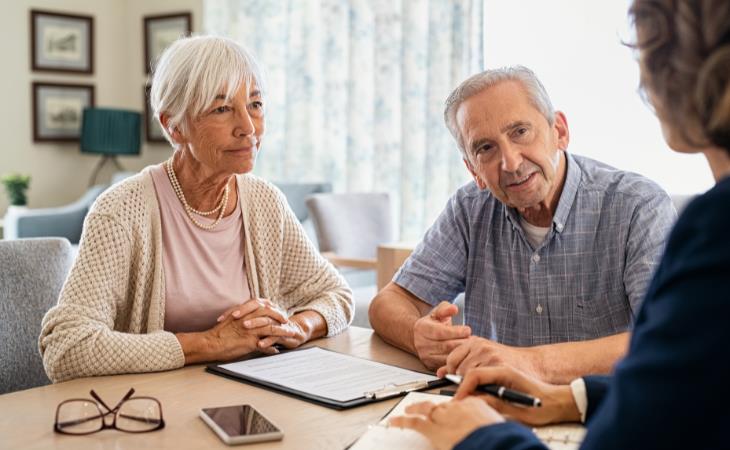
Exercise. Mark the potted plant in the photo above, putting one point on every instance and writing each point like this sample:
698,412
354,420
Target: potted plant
16,185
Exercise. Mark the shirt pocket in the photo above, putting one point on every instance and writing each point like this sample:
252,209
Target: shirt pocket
599,315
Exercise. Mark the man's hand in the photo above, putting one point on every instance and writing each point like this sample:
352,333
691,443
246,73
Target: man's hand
448,423
477,351
434,336
558,404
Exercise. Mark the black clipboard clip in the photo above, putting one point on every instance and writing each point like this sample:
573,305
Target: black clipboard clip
394,390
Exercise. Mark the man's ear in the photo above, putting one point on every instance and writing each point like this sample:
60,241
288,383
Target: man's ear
561,128
173,131
480,183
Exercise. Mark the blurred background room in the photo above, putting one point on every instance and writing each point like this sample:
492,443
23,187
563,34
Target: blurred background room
356,88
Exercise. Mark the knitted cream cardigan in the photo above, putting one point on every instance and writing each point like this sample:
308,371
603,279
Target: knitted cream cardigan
111,311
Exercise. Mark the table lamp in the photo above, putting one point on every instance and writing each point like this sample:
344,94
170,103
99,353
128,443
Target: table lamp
110,132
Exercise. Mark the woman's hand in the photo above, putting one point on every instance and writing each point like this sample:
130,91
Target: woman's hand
231,339
306,325
299,336
261,308
558,404
271,324
448,423
227,340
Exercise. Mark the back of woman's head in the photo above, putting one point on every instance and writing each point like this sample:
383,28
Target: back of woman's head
684,51
193,71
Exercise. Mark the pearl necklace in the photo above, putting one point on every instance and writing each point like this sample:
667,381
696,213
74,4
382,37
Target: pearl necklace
221,208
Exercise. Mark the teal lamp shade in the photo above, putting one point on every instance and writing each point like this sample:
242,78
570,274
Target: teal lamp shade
110,131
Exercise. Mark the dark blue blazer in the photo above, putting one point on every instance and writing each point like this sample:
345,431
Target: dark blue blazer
673,388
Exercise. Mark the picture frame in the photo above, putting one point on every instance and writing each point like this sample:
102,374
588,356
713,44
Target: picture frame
153,130
61,42
160,31
58,109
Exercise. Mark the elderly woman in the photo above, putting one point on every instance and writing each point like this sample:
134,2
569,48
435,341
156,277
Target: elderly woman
194,259
670,390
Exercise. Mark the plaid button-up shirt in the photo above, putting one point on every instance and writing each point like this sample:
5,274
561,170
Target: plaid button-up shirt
584,281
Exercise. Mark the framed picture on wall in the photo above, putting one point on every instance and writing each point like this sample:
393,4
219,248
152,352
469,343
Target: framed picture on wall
153,131
57,110
160,32
61,42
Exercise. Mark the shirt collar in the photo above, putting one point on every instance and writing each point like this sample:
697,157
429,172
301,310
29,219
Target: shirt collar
573,175
567,197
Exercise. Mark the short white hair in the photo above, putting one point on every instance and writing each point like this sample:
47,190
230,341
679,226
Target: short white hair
192,71
536,95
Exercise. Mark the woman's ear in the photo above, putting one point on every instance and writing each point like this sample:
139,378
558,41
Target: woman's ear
172,130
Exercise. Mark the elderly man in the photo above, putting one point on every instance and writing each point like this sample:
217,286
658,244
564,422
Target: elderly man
553,251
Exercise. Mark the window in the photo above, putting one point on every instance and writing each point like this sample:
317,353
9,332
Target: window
574,47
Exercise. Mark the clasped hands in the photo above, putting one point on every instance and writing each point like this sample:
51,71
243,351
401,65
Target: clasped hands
256,325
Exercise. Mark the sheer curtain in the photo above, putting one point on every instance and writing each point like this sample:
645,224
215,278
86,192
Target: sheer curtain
356,91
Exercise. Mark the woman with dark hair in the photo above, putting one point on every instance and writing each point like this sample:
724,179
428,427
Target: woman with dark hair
670,390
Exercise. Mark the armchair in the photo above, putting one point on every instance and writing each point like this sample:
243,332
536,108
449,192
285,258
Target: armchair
33,272
295,194
63,221
349,229
351,226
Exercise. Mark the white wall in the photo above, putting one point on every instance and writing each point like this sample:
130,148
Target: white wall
575,48
60,173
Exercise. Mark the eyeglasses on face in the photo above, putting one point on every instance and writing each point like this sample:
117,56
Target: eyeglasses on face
131,415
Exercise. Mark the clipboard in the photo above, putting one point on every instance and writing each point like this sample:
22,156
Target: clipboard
421,380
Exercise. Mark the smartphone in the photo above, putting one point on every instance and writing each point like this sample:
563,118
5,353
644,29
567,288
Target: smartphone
240,424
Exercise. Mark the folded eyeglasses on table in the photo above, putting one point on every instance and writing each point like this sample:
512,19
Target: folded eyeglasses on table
131,415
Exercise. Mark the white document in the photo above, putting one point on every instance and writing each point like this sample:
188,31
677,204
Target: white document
327,374
380,436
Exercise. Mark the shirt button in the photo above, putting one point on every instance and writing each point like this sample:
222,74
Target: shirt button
538,309
535,258
559,226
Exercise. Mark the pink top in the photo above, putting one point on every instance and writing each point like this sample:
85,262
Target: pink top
205,272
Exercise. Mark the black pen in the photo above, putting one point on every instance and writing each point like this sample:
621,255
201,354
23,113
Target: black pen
501,392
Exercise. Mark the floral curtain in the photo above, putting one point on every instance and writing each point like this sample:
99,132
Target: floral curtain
355,92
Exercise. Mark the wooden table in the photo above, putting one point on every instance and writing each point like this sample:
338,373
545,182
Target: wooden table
26,417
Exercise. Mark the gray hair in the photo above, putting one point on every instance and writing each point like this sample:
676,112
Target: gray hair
536,93
193,71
